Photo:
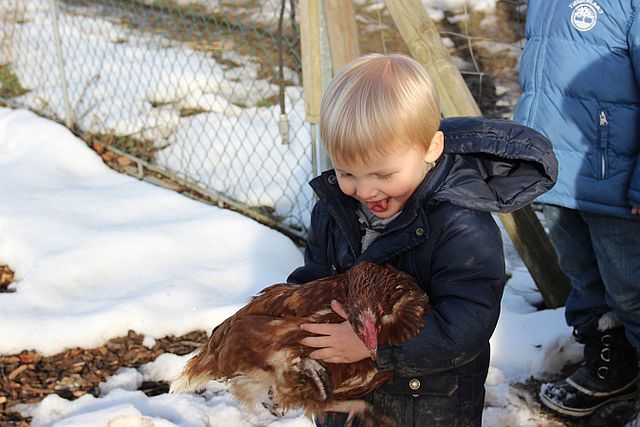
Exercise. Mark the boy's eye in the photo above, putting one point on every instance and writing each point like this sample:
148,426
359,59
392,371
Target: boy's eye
344,174
385,176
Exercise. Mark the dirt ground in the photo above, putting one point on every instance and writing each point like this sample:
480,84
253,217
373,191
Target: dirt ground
28,377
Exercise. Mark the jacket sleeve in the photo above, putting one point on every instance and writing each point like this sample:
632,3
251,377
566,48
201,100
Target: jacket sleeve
633,193
467,282
316,264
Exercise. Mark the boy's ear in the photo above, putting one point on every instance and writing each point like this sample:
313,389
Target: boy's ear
435,148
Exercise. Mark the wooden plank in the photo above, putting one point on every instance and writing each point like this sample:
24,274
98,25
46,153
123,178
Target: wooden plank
342,30
423,40
532,243
524,229
311,61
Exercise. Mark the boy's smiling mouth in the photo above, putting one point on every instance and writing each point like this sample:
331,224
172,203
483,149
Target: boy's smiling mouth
379,205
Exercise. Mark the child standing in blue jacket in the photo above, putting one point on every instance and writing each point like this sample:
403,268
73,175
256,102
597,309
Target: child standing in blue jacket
415,193
580,77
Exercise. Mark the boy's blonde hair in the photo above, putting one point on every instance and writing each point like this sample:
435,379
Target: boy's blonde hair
376,103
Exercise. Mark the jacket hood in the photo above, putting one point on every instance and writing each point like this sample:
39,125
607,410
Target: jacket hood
487,165
493,165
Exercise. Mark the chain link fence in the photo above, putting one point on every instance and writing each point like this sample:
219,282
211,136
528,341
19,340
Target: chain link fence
206,92
209,93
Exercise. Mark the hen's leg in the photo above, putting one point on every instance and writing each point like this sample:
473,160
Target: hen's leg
364,411
318,374
271,405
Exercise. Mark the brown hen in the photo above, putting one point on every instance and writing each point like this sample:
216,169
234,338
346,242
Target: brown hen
257,350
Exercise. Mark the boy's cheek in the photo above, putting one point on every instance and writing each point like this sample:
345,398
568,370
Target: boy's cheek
345,187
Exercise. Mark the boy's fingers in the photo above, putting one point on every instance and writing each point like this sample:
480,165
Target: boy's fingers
315,341
318,328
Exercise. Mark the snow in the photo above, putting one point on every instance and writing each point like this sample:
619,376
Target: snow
97,254
112,247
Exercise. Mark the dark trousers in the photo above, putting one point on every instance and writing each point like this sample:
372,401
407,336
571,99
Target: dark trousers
600,256
450,398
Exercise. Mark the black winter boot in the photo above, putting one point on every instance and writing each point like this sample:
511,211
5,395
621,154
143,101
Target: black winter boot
609,373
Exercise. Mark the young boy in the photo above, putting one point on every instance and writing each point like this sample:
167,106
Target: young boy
400,195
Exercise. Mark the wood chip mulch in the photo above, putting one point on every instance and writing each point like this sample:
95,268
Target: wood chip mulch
29,377
6,278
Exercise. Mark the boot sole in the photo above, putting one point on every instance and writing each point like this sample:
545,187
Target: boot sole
602,394
584,412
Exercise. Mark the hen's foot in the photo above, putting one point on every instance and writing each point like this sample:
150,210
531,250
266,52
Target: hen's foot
320,377
271,405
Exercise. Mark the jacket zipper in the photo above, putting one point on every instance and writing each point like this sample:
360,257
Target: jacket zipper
604,137
346,236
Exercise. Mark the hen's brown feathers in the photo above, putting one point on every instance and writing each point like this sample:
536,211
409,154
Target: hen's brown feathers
257,349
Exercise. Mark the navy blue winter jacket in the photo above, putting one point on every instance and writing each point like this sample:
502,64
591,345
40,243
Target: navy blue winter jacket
580,77
446,238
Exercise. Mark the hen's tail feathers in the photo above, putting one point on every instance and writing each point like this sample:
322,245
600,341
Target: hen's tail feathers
320,377
193,378
184,384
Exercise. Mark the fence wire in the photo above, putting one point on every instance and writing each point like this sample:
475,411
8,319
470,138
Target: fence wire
209,92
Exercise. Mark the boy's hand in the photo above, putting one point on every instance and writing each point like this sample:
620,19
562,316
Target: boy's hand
337,342
635,210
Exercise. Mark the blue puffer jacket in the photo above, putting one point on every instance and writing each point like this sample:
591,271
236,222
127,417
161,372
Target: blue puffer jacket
580,76
446,238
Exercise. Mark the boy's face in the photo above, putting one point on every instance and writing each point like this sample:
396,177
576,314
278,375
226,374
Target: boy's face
386,181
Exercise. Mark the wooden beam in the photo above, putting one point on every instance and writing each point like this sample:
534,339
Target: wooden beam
340,16
311,61
531,241
423,40
524,229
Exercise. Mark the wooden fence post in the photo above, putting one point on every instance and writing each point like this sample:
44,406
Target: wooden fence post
343,32
526,232
311,64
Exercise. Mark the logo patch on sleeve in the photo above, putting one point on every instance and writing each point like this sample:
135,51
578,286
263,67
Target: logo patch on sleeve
584,14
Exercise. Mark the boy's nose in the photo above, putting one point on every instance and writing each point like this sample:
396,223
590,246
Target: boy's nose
364,191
